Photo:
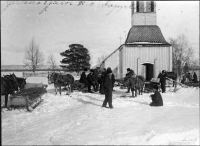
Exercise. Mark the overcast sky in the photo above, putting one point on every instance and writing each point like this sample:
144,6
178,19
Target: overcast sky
94,25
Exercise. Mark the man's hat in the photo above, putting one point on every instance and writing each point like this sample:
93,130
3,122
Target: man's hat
128,69
109,70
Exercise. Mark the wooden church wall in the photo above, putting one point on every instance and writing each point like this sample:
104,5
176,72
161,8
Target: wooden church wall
133,57
113,62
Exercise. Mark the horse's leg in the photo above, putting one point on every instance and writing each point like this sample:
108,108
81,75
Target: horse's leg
55,89
132,91
136,92
60,88
6,100
71,87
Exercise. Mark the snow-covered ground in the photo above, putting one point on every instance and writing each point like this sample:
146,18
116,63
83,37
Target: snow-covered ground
78,119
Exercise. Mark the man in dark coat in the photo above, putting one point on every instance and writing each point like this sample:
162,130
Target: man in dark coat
162,77
108,86
83,78
129,74
90,79
156,97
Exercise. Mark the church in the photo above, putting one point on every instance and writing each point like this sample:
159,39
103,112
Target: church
145,50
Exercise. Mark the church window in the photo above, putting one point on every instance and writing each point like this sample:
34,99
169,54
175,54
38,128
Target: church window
152,6
140,6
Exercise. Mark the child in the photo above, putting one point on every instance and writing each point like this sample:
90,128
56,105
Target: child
156,98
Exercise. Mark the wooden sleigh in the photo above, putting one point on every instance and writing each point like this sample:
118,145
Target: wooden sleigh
29,97
148,86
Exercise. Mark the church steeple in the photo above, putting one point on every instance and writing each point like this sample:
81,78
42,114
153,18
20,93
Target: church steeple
143,13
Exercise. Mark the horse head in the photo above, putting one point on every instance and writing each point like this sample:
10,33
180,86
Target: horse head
14,79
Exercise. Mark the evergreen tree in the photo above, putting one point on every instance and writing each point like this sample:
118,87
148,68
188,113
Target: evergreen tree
77,57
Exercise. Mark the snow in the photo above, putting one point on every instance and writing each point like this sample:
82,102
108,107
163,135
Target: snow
78,119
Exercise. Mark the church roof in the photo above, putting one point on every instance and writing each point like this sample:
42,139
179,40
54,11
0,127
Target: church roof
145,33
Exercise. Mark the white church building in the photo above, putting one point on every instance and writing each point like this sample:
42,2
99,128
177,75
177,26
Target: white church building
145,50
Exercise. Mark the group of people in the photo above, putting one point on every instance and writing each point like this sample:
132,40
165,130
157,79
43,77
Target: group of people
88,80
106,81
156,97
191,78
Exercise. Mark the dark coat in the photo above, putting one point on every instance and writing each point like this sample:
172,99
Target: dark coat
156,99
108,85
194,77
130,73
90,79
83,78
102,91
162,78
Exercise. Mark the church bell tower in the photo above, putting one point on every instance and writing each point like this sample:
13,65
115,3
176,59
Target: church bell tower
143,13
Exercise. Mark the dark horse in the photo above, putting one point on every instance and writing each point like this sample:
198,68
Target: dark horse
61,80
21,82
173,76
136,83
97,78
9,85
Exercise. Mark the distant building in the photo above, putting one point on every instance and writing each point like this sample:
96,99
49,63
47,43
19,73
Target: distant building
145,51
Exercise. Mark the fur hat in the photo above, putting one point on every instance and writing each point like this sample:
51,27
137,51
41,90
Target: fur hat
128,69
109,70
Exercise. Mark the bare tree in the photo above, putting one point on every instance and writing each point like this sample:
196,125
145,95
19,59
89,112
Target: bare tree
100,59
182,53
33,56
51,61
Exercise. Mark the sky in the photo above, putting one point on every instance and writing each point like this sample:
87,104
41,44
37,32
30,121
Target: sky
96,25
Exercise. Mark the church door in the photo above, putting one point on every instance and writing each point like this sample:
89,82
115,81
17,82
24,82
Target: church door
149,72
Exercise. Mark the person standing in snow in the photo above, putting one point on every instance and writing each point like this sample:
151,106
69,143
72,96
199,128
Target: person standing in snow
156,97
90,79
162,77
83,78
108,86
194,78
129,74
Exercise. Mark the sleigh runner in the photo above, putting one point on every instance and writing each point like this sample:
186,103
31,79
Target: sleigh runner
29,98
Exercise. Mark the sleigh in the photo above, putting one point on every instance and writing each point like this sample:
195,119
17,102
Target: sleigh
148,86
30,97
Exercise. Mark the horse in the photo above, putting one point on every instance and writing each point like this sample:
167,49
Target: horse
61,80
135,83
173,76
9,85
21,82
97,78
